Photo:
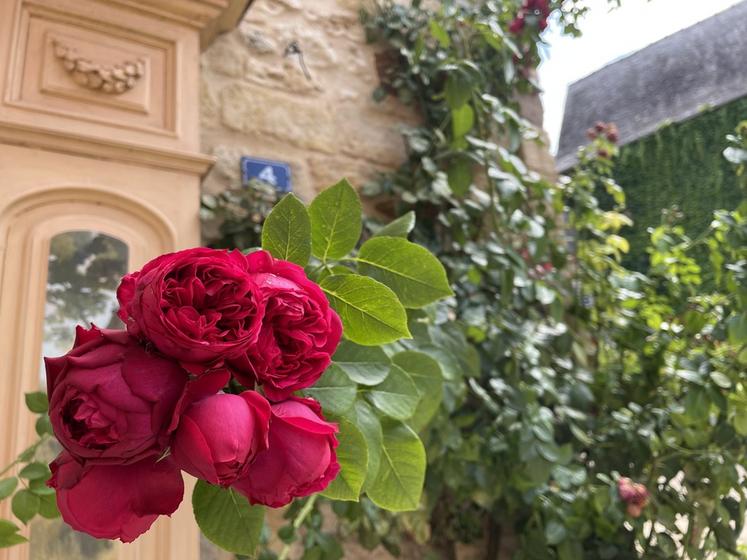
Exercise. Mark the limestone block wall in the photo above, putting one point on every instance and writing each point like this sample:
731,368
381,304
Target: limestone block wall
256,98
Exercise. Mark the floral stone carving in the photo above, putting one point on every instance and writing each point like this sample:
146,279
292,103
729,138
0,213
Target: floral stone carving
114,79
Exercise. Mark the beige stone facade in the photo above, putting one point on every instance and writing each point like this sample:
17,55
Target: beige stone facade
257,100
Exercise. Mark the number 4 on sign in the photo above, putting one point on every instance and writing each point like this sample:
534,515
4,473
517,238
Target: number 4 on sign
268,176
274,173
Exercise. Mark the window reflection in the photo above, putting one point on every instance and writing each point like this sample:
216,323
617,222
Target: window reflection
84,270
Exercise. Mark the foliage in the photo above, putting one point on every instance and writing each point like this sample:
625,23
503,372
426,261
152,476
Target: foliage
27,488
679,165
239,214
589,371
373,394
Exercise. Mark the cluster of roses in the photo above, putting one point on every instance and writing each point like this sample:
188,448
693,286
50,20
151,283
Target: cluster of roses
603,129
634,494
533,12
176,391
602,132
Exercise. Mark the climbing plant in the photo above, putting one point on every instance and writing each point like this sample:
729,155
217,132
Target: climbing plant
679,165
604,401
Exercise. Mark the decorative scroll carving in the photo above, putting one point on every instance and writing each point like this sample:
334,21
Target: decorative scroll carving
114,79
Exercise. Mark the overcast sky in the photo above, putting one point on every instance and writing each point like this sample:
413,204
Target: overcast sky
609,34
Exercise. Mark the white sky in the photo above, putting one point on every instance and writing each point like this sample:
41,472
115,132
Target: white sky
609,34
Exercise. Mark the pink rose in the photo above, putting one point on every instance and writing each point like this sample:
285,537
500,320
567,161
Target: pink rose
634,494
539,7
110,400
300,331
115,501
220,435
300,459
199,306
517,25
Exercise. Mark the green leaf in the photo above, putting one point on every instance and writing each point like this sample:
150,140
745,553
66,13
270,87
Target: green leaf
367,365
226,518
371,313
37,402
9,534
458,90
439,33
555,532
738,329
25,505
426,374
364,417
7,486
43,426
335,221
34,471
411,271
740,420
352,454
462,120
570,550
48,506
401,227
40,488
7,528
460,175
334,390
397,396
721,379
399,481
286,233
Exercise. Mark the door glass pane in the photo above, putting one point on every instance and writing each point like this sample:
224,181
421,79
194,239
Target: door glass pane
85,268
83,274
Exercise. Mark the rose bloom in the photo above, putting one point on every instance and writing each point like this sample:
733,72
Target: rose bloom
300,331
115,501
634,494
199,306
220,435
300,459
517,24
110,400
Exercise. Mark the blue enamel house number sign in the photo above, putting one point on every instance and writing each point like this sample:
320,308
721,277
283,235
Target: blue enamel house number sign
275,173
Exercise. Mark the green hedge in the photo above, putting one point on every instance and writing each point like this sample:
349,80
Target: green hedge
679,164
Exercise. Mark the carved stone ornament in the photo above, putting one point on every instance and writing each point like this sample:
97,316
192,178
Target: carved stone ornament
114,79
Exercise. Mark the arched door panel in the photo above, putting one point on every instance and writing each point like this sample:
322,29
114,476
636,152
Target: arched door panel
58,246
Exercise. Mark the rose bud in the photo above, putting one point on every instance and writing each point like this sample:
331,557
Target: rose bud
600,127
110,400
220,435
613,134
300,459
591,134
198,306
115,501
300,331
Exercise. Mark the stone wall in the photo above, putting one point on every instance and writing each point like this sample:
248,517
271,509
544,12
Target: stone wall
257,100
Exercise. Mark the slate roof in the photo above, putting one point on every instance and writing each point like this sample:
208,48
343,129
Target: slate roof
671,80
